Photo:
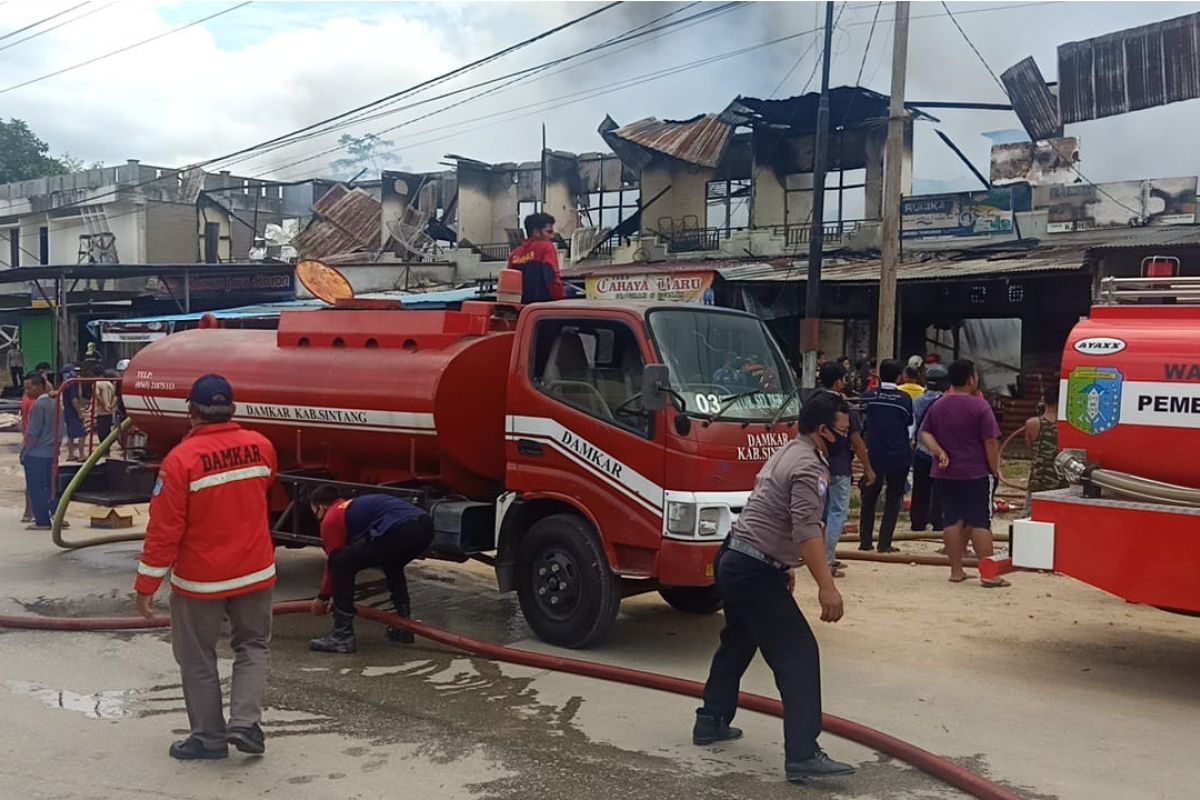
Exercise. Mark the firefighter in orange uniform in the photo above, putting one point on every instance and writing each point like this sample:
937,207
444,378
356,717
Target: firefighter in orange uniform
208,528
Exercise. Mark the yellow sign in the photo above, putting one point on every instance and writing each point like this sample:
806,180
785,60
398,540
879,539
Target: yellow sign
684,287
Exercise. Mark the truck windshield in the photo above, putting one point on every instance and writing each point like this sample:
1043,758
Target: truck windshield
723,363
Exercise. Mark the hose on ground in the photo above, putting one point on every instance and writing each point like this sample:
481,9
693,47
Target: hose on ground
901,558
56,524
947,771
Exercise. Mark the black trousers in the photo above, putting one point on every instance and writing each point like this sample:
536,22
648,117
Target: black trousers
761,614
390,552
926,501
18,375
894,480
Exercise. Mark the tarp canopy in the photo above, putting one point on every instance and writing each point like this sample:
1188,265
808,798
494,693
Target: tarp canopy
148,329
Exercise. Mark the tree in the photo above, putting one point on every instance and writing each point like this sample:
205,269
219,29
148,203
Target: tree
363,152
23,156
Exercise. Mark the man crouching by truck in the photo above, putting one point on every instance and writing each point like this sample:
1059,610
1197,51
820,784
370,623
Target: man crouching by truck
779,528
371,530
208,527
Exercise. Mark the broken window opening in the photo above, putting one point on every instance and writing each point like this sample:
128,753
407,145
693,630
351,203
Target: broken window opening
728,205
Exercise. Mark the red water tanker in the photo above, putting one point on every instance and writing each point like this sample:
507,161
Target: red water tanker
1129,431
590,450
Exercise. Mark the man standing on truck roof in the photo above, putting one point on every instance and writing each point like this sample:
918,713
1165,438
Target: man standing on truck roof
208,527
371,530
779,528
537,261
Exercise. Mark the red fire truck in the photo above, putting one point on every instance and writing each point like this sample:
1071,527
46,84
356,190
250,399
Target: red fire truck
1129,429
589,450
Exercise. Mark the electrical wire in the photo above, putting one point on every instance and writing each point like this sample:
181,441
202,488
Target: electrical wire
124,49
209,162
974,49
11,34
44,31
1065,156
579,96
867,49
515,77
418,86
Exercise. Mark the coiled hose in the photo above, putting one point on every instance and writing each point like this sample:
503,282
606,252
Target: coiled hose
943,769
56,524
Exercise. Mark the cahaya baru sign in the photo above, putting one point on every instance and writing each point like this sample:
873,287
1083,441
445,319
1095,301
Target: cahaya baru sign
684,287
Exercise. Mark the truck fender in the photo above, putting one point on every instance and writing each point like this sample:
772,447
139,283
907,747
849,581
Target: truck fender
516,512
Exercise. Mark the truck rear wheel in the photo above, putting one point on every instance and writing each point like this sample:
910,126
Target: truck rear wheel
568,593
692,599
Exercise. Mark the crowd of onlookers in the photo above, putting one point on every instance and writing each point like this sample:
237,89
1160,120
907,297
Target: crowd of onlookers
924,430
89,398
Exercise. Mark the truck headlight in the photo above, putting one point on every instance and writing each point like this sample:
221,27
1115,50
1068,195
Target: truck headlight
710,521
681,517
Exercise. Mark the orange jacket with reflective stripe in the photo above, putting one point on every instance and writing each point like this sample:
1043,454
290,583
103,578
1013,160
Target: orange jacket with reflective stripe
208,517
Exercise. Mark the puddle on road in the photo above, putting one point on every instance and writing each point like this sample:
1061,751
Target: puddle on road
101,705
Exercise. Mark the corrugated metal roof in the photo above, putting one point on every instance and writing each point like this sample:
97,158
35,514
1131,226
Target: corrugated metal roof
701,140
1157,236
1132,69
345,221
931,269
1031,99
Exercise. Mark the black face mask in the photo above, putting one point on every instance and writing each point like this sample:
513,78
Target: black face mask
838,436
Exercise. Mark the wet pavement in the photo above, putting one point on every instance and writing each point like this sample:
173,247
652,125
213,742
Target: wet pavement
1060,706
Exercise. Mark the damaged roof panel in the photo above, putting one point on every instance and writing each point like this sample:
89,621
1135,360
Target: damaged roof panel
1136,68
701,140
344,221
1032,101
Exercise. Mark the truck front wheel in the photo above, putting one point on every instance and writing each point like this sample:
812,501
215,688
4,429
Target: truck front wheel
692,599
568,593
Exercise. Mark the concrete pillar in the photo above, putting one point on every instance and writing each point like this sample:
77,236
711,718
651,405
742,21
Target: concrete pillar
874,190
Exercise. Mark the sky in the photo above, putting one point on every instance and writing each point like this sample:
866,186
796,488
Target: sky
268,68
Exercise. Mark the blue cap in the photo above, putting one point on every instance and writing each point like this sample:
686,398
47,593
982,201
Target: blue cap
69,370
211,390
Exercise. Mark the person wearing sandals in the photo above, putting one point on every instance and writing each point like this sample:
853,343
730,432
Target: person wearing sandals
961,432
1041,434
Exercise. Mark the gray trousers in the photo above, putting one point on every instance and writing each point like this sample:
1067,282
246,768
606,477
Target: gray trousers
195,628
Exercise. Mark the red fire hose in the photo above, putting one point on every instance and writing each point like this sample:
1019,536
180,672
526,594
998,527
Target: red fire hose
975,785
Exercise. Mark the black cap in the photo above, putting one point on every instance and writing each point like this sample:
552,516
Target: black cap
211,390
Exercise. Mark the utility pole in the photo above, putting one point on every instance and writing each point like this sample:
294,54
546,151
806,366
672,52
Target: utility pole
893,157
810,332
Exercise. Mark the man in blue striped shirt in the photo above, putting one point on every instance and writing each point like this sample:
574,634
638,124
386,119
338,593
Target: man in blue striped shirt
887,415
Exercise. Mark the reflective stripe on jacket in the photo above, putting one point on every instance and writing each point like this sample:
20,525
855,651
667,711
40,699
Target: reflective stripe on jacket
208,517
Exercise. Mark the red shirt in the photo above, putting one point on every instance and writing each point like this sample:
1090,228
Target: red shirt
208,516
537,261
334,536
26,407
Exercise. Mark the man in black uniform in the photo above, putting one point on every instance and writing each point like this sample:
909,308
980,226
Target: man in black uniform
779,528
371,530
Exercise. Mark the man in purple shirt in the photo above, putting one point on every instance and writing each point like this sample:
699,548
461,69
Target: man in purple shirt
961,432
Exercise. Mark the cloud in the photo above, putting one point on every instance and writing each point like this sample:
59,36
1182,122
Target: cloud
273,67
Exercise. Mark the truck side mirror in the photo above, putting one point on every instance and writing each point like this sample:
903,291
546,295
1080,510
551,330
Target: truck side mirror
655,380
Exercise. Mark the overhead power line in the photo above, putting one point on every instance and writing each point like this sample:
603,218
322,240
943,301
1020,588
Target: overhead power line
124,49
44,31
574,97
11,34
418,86
529,75
1065,156
209,162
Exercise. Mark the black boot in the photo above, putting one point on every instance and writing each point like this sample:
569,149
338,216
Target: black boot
340,639
400,635
819,766
709,729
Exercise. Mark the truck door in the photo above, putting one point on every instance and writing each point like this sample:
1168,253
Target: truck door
577,430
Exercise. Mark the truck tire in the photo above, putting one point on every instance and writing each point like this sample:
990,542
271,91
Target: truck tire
692,599
568,593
